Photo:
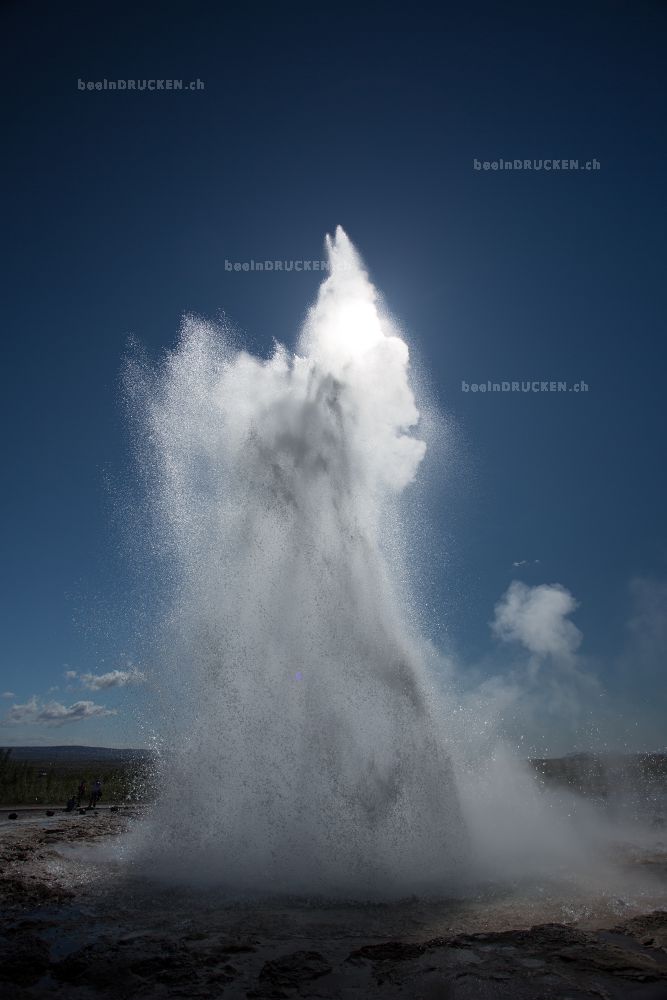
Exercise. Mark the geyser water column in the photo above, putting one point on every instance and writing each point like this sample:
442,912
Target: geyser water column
303,743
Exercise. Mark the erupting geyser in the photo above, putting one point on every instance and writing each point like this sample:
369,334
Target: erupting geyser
306,747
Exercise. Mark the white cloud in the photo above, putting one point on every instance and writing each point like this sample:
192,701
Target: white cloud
526,562
8,694
53,713
536,617
25,712
70,674
114,678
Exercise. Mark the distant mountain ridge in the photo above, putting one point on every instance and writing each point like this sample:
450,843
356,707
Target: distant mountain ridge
65,753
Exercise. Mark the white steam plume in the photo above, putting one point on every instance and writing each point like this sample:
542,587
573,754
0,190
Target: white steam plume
308,745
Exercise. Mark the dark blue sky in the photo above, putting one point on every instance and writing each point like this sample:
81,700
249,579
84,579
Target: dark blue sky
121,208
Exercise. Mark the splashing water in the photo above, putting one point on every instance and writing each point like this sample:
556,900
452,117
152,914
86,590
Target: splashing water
306,737
305,747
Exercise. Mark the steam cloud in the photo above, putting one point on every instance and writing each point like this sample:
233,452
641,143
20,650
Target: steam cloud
537,617
311,749
305,745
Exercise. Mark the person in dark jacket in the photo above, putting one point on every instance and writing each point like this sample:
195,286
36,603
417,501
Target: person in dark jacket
96,793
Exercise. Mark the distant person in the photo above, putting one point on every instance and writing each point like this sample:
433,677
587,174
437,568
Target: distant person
96,793
71,802
80,793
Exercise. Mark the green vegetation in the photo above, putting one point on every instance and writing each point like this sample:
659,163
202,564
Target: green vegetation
46,782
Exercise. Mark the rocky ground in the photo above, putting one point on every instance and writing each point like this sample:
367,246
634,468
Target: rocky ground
73,929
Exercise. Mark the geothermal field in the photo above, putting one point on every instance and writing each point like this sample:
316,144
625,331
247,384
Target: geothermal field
324,814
